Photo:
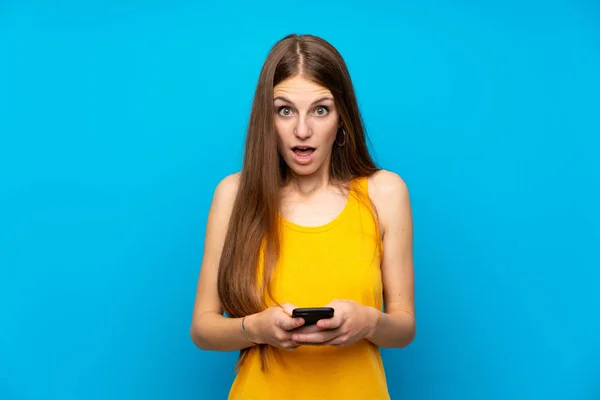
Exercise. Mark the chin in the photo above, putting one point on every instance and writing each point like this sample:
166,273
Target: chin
303,170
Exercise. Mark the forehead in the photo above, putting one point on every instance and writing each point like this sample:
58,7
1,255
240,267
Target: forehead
300,88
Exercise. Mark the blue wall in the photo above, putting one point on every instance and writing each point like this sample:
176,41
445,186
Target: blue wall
118,119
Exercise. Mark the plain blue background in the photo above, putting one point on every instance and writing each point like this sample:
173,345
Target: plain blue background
117,120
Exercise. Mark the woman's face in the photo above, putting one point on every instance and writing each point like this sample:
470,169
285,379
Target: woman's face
307,122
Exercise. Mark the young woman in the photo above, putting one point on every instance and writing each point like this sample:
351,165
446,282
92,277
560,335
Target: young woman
310,221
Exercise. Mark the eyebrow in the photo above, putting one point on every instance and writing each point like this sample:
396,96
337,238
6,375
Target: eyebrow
314,102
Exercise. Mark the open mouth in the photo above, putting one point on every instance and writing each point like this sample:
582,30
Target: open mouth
303,151
303,154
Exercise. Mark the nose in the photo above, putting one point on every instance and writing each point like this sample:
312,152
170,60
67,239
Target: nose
303,130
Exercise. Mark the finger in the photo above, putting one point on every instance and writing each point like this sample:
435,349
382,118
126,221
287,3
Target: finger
316,337
331,323
291,346
288,308
285,342
339,341
288,323
306,329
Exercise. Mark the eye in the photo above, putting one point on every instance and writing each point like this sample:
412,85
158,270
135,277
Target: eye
284,111
322,110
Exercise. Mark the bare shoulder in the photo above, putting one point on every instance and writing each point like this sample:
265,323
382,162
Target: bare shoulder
223,201
226,192
227,187
389,192
385,182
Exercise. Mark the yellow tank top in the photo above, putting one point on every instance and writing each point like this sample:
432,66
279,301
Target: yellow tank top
338,260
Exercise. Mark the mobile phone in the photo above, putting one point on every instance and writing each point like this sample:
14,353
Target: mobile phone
312,315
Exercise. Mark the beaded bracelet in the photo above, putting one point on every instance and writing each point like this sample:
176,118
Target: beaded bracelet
246,333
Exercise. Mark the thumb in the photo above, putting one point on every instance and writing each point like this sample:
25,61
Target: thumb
331,323
289,323
288,308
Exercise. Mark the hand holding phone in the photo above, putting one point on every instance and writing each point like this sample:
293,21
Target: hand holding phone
313,314
352,322
273,326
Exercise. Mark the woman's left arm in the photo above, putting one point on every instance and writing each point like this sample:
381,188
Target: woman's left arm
396,327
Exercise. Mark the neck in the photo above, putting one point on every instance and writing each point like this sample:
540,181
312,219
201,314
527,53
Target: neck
307,184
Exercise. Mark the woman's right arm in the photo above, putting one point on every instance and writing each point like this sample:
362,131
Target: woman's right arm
210,329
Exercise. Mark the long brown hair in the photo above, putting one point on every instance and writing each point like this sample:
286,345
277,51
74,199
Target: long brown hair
254,220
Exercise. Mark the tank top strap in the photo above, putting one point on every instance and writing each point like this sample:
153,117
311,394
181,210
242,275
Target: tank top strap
361,184
360,187
363,205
